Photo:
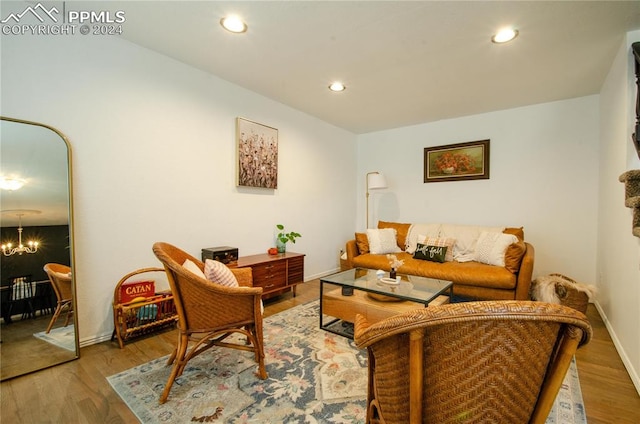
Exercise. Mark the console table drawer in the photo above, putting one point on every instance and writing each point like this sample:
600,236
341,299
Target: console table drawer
276,274
270,276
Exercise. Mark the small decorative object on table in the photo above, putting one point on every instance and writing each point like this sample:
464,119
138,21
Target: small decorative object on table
395,263
347,291
282,238
225,254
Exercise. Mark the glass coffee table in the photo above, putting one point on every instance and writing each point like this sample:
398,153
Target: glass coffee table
360,291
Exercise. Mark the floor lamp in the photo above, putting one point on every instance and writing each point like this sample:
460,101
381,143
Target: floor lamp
375,180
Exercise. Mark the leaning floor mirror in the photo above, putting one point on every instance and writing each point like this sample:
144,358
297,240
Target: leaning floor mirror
38,327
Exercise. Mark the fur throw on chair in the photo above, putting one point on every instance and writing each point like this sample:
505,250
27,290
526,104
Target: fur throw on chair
556,288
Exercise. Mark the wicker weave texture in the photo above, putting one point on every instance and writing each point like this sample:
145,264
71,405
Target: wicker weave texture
482,362
209,312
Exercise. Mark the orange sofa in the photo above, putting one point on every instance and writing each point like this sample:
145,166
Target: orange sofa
470,278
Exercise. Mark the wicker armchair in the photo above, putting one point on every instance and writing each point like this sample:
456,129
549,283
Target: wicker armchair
495,361
60,277
208,312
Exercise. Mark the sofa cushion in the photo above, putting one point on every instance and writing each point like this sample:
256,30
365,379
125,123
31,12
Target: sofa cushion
513,256
420,231
382,241
518,232
444,242
466,237
402,230
432,253
467,273
491,247
362,243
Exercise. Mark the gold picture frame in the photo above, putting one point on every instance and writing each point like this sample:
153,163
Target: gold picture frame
257,147
457,162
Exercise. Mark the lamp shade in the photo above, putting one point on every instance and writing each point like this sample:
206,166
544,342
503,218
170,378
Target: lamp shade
377,180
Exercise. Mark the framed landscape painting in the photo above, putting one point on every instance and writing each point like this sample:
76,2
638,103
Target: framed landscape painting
457,162
257,154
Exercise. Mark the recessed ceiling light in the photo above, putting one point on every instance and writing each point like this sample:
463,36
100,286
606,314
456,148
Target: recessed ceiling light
337,86
504,35
233,24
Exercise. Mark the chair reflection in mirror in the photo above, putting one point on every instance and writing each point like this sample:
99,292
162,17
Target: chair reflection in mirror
61,281
17,297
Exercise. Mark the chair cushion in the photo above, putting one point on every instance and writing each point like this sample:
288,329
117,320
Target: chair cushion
191,266
219,273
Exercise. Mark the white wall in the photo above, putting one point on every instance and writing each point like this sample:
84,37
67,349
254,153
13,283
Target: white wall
543,176
154,160
618,264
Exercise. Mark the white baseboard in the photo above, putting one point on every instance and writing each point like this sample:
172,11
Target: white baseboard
633,373
321,274
96,339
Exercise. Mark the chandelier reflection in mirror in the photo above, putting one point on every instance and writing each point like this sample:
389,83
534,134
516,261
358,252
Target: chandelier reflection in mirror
31,247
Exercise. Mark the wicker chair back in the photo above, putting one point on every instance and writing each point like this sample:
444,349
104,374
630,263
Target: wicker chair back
495,361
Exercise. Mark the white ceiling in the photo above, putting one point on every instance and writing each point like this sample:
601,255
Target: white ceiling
404,62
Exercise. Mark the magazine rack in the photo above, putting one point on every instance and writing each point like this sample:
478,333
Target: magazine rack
141,316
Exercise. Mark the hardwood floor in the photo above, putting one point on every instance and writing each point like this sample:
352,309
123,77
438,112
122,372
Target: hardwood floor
20,352
78,392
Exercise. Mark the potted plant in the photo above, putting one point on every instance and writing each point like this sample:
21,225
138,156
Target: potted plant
283,238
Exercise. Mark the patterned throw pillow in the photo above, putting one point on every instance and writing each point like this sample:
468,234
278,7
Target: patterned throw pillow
441,242
382,241
219,273
402,231
491,247
430,253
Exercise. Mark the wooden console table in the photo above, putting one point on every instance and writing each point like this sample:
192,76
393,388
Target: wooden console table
276,274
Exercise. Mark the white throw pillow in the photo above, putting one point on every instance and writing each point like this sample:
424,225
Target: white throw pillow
219,273
491,247
466,237
383,241
193,268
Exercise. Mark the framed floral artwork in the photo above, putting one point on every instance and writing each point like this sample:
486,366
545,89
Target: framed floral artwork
257,154
457,162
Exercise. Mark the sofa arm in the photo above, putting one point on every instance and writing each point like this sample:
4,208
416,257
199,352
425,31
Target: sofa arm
525,274
352,252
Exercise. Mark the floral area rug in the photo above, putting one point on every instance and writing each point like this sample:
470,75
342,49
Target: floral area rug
63,337
314,377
